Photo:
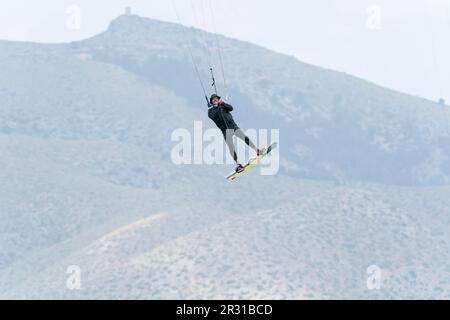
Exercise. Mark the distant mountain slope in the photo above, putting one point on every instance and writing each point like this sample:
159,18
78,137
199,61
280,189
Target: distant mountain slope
332,125
55,189
86,176
317,246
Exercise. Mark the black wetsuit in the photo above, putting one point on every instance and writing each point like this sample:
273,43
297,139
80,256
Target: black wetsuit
221,115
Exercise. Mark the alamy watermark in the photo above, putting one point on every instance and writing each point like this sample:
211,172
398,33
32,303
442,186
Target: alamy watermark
212,146
73,21
374,277
374,17
73,282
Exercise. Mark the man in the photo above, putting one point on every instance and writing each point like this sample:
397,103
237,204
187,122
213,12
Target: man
219,112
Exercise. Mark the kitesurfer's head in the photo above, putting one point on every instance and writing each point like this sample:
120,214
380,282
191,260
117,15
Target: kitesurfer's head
215,100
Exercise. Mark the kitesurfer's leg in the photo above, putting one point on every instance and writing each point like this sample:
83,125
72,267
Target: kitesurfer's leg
228,136
241,135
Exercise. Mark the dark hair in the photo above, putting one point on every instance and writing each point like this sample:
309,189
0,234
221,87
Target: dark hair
214,96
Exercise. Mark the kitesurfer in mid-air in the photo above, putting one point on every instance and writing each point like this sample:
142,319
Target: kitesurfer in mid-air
220,113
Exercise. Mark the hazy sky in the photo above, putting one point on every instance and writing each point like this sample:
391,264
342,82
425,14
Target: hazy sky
400,44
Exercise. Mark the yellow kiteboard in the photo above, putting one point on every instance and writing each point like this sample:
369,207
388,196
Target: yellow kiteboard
252,163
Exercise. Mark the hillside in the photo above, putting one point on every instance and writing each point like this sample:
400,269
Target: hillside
296,251
87,179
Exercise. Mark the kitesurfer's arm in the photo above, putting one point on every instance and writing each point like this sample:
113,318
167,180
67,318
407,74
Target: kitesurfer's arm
227,106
